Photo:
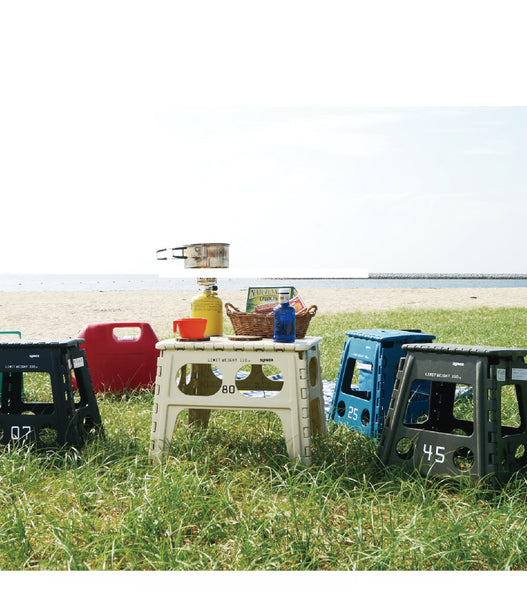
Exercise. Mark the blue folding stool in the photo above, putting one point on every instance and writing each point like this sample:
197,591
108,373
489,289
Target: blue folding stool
374,355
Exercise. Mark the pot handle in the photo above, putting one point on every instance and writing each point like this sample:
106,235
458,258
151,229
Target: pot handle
172,250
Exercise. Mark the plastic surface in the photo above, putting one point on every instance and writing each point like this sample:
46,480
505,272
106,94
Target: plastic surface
18,334
465,433
118,364
374,355
15,333
186,380
47,415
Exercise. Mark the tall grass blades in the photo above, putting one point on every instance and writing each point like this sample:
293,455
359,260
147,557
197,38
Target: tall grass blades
228,498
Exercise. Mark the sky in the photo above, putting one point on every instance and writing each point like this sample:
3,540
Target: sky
384,136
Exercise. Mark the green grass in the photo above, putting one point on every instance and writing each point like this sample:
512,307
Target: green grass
227,498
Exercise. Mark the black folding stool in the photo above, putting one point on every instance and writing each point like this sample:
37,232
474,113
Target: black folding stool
59,419
465,431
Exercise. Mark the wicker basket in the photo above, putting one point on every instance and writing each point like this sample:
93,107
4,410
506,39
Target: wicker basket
263,325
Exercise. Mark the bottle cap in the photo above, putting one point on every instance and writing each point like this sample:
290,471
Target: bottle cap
283,295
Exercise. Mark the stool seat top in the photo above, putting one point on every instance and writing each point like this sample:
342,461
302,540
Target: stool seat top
43,343
462,349
223,343
390,335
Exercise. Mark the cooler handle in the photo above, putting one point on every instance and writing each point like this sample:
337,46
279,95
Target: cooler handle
140,326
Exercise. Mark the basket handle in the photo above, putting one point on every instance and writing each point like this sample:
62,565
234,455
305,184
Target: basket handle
312,310
230,308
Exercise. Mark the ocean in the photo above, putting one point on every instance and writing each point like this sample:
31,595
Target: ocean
73,283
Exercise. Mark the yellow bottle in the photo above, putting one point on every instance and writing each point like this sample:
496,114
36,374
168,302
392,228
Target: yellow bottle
208,305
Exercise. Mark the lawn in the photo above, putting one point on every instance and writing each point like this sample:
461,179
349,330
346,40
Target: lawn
227,498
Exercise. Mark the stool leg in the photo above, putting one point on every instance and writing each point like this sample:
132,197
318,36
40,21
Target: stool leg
317,413
297,436
163,430
290,434
87,409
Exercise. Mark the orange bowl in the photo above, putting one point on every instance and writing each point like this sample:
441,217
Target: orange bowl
193,329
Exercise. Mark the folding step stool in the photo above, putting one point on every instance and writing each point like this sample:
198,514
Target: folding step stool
468,429
24,416
186,380
375,354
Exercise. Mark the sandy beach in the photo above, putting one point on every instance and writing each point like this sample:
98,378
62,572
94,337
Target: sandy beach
63,314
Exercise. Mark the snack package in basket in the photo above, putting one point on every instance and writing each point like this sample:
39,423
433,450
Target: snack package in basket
263,300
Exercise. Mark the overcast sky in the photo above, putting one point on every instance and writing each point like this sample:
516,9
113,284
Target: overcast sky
373,135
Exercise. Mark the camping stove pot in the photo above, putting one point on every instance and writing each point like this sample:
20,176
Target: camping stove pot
199,256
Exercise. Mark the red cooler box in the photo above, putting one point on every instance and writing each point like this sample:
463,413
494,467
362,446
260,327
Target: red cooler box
120,363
